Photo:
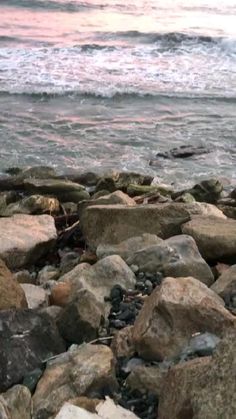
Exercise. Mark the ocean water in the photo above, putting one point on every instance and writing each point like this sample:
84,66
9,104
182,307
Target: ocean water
107,84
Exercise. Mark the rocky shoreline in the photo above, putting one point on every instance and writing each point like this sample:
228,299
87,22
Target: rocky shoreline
117,297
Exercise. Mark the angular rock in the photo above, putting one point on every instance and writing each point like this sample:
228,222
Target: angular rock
128,247
80,320
147,379
25,238
215,240
63,190
225,285
122,343
26,339
101,277
206,191
61,294
35,204
114,198
11,293
85,370
112,224
174,312
36,296
17,403
177,257
202,388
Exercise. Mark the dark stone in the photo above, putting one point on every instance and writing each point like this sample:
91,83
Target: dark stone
206,191
31,379
27,338
183,152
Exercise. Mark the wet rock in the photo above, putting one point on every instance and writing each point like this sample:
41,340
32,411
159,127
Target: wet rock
122,343
16,403
35,204
225,285
83,370
146,378
36,296
101,277
202,388
26,339
206,191
80,320
215,240
173,313
177,256
64,191
11,293
25,238
183,152
128,247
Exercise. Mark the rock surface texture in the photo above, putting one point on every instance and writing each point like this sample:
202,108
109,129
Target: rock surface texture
11,293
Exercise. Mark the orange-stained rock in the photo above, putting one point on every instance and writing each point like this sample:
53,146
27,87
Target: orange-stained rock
60,294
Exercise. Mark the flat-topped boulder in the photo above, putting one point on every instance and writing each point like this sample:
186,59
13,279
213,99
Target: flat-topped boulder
215,240
111,224
25,238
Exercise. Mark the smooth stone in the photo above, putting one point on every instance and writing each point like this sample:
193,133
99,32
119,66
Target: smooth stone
26,339
203,344
11,293
36,296
215,240
175,311
25,238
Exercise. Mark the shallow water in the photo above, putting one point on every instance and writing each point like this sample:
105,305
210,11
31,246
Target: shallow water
108,84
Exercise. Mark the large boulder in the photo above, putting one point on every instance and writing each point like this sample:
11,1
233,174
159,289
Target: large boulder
101,277
202,388
11,293
25,238
85,370
128,247
215,240
175,311
26,339
16,403
63,190
177,256
112,224
225,285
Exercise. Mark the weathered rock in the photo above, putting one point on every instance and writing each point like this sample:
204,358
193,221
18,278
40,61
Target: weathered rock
106,183
202,388
16,403
86,178
63,190
124,179
48,273
128,247
225,285
177,257
35,204
7,198
136,190
11,293
147,378
80,320
86,403
68,261
26,339
112,224
101,277
205,191
36,296
24,277
122,343
25,238
114,198
52,311
173,313
16,182
61,294
215,240
183,151
85,370
229,211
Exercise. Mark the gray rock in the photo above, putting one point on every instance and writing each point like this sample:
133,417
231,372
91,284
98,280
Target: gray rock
26,339
225,285
25,238
36,296
177,256
16,403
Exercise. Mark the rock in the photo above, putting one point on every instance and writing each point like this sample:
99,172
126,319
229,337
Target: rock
16,182
146,379
24,277
112,224
60,294
86,403
26,339
48,273
174,312
68,261
31,379
25,238
128,247
201,344
7,198
88,257
83,370
183,152
80,320
36,296
225,285
11,293
124,179
86,178
17,403
35,204
136,190
52,311
228,211
114,198
186,197
177,257
100,278
122,343
215,240
207,191
64,191
202,388
106,183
